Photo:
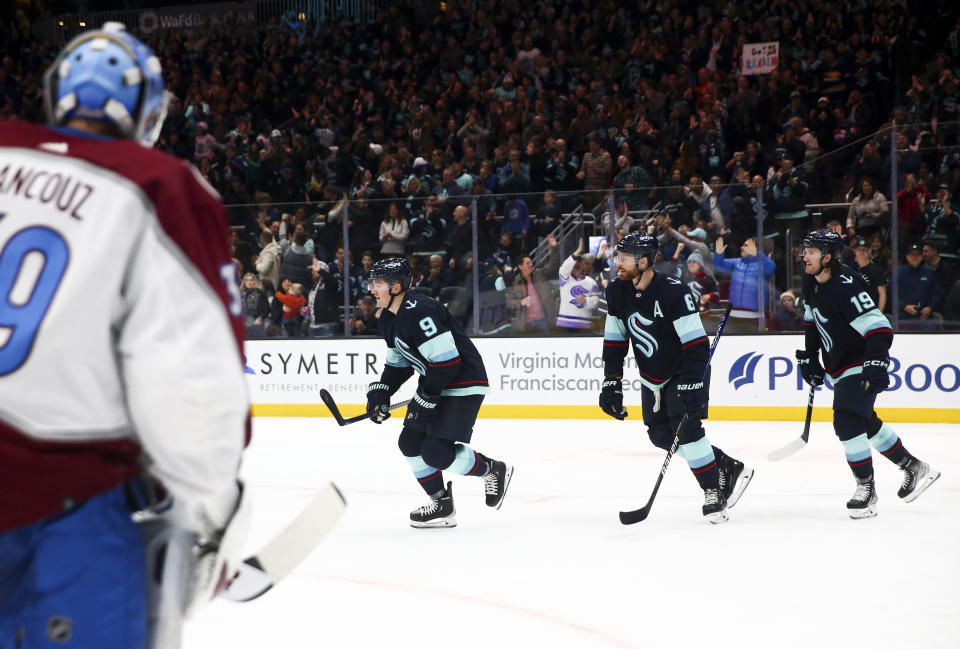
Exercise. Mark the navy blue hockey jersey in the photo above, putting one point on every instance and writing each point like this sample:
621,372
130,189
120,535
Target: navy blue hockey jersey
841,318
663,325
423,336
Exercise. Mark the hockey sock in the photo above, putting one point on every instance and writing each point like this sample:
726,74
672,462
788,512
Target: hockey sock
859,458
466,461
699,456
888,443
430,479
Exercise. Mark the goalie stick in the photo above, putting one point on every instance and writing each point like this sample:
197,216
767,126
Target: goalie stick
637,515
335,411
797,444
279,557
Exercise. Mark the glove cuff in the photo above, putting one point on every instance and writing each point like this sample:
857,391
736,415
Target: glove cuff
611,382
425,401
373,387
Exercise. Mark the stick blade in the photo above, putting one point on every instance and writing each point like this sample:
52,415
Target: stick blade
331,405
279,557
787,451
635,516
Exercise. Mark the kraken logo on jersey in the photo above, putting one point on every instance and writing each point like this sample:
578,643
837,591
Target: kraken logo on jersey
819,321
642,341
696,288
404,350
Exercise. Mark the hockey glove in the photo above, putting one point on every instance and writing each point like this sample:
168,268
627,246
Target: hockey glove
378,402
611,398
422,407
810,368
874,378
693,393
193,552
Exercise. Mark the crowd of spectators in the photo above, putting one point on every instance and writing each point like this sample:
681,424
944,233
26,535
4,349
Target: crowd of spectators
526,110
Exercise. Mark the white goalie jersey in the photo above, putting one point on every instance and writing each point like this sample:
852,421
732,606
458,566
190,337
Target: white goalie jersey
120,328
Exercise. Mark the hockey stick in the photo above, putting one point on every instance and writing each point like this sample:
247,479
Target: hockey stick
637,515
279,557
335,411
797,444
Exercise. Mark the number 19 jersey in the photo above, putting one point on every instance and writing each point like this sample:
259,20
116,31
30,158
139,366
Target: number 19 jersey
842,320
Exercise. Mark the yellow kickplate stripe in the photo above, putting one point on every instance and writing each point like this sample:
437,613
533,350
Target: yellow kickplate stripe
718,413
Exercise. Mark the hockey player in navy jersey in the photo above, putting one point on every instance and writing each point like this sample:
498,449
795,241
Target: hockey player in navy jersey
842,321
657,316
422,336
121,357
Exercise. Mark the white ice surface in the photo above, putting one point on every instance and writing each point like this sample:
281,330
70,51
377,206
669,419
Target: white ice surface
555,568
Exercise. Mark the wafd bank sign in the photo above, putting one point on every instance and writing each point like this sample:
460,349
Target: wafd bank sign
753,377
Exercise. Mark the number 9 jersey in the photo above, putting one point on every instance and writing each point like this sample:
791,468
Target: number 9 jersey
120,335
424,337
841,318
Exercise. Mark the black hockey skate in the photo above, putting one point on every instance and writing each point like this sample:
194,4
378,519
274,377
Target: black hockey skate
734,479
439,513
496,482
864,501
917,476
715,505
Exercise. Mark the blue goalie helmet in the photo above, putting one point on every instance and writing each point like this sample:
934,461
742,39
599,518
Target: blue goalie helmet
639,244
394,269
825,241
107,75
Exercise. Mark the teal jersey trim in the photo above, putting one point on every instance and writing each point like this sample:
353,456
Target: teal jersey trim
869,321
440,348
698,453
614,329
396,359
420,468
464,460
689,327
885,439
463,392
857,449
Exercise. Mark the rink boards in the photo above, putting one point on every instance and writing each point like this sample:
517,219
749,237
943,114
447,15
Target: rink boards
753,378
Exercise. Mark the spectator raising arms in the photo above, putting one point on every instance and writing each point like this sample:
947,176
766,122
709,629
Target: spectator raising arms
745,273
532,296
579,293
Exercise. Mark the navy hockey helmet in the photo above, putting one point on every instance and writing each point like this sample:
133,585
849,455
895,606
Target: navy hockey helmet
825,241
639,244
393,269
